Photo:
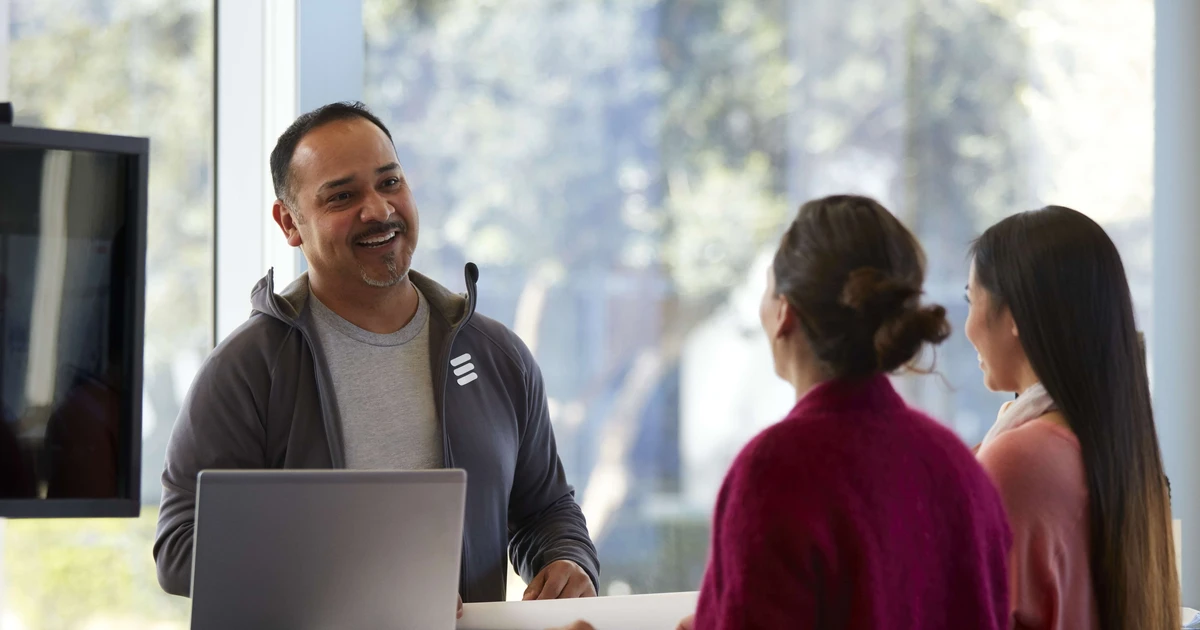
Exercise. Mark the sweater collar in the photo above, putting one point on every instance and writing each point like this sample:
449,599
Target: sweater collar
874,391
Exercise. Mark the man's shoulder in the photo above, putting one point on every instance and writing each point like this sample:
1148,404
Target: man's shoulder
259,340
494,337
241,370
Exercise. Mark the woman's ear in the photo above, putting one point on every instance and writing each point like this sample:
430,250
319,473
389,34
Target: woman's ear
1012,323
786,318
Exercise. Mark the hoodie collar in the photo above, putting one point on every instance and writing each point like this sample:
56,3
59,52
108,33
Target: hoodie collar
290,304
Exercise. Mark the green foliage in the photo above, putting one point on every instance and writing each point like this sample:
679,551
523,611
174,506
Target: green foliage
667,134
671,138
140,68
143,69
76,573
608,134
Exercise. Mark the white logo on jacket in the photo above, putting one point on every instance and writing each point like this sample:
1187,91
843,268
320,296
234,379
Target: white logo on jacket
463,369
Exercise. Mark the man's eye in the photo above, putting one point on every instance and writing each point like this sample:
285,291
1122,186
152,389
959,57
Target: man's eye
342,196
391,182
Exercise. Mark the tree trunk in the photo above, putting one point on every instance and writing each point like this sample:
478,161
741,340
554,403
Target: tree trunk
608,484
531,305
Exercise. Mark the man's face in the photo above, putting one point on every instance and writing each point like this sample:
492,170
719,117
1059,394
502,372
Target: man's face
351,212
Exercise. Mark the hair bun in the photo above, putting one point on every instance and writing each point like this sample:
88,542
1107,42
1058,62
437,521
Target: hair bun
873,295
899,339
889,313
854,273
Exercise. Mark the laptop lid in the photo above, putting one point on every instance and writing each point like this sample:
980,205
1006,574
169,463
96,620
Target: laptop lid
327,549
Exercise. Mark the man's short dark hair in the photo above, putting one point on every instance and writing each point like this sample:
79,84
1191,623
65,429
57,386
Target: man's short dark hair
285,147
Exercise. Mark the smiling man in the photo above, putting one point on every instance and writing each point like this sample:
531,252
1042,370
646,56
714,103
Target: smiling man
363,363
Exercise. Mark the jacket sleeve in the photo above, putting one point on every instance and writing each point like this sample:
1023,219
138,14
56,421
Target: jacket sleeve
545,524
220,426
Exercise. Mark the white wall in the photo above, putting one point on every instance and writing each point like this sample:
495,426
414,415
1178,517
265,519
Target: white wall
1176,334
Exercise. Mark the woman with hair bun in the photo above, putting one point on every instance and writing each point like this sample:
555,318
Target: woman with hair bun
854,511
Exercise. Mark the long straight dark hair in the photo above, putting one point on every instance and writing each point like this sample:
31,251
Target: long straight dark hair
1062,279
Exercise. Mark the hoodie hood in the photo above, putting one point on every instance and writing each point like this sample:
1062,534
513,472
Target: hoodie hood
290,304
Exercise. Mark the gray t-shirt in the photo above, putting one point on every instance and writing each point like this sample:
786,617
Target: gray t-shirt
384,391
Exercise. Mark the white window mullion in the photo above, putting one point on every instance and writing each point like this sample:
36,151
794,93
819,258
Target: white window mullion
275,60
256,100
1174,337
280,108
4,63
4,11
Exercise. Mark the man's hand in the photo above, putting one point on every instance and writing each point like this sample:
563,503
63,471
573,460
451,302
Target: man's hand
578,625
561,579
459,615
688,623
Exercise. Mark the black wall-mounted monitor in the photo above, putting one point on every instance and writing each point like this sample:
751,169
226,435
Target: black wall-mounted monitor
72,294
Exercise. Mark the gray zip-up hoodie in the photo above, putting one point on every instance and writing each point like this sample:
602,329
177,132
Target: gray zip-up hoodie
261,400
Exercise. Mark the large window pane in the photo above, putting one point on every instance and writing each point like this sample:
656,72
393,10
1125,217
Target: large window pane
136,68
621,172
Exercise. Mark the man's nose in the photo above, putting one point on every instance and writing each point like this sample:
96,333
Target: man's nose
376,209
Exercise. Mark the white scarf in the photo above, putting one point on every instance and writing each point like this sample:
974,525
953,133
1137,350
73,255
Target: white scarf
1032,404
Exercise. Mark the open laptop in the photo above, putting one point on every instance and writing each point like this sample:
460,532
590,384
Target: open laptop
302,549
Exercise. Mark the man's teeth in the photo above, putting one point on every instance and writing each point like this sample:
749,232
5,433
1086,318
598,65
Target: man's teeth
378,240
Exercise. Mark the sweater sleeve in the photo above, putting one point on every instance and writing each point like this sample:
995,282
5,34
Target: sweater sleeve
765,570
1040,493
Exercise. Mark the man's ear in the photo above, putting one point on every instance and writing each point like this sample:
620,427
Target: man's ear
288,222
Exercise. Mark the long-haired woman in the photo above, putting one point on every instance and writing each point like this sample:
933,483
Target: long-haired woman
1075,456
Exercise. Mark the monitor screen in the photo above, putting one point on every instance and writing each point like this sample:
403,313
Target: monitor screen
71,268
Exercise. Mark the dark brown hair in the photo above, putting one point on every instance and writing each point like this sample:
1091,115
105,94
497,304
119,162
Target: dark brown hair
853,273
1062,279
285,147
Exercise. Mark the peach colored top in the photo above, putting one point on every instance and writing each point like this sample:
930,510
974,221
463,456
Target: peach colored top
1038,469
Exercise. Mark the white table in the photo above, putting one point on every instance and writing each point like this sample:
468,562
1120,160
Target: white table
631,612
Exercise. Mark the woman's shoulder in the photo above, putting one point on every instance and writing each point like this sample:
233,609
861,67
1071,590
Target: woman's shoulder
822,442
777,440
1038,462
795,445
1047,437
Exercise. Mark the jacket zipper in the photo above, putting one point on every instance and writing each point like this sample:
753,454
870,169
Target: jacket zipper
471,272
337,459
337,452
337,455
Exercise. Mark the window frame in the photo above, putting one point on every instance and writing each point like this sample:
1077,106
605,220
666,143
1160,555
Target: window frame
274,60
